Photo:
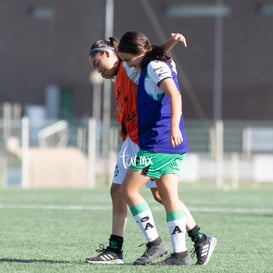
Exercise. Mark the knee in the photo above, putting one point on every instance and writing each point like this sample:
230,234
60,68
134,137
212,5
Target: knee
115,191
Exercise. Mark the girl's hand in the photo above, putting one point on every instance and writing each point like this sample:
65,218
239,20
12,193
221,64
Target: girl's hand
179,38
175,137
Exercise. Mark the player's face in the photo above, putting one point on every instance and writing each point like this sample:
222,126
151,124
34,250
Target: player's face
131,59
106,63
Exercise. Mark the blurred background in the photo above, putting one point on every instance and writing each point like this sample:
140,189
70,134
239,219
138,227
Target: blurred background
57,124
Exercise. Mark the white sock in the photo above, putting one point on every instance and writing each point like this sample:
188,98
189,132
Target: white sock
177,229
144,218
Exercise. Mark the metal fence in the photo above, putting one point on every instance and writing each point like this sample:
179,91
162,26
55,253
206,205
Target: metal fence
225,152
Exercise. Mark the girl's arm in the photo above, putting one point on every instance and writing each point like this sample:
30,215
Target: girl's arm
169,87
175,37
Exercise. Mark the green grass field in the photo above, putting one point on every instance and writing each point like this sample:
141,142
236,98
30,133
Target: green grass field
55,230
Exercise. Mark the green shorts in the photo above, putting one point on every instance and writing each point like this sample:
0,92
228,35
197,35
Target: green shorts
155,165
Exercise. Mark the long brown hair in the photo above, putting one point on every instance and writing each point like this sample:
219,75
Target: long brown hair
135,43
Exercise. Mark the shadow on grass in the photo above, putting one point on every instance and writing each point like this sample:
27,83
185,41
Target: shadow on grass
26,261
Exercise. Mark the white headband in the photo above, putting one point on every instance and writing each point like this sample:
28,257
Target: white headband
101,49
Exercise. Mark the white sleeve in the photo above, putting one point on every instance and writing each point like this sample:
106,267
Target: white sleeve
158,71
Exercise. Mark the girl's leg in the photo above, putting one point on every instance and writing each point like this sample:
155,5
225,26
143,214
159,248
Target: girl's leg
168,189
204,246
112,254
119,211
130,190
142,214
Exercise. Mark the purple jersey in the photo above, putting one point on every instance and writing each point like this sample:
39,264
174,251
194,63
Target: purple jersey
154,118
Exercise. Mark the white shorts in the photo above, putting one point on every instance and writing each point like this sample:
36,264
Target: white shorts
126,157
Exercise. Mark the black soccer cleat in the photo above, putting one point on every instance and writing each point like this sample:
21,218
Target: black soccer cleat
151,253
204,250
106,256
